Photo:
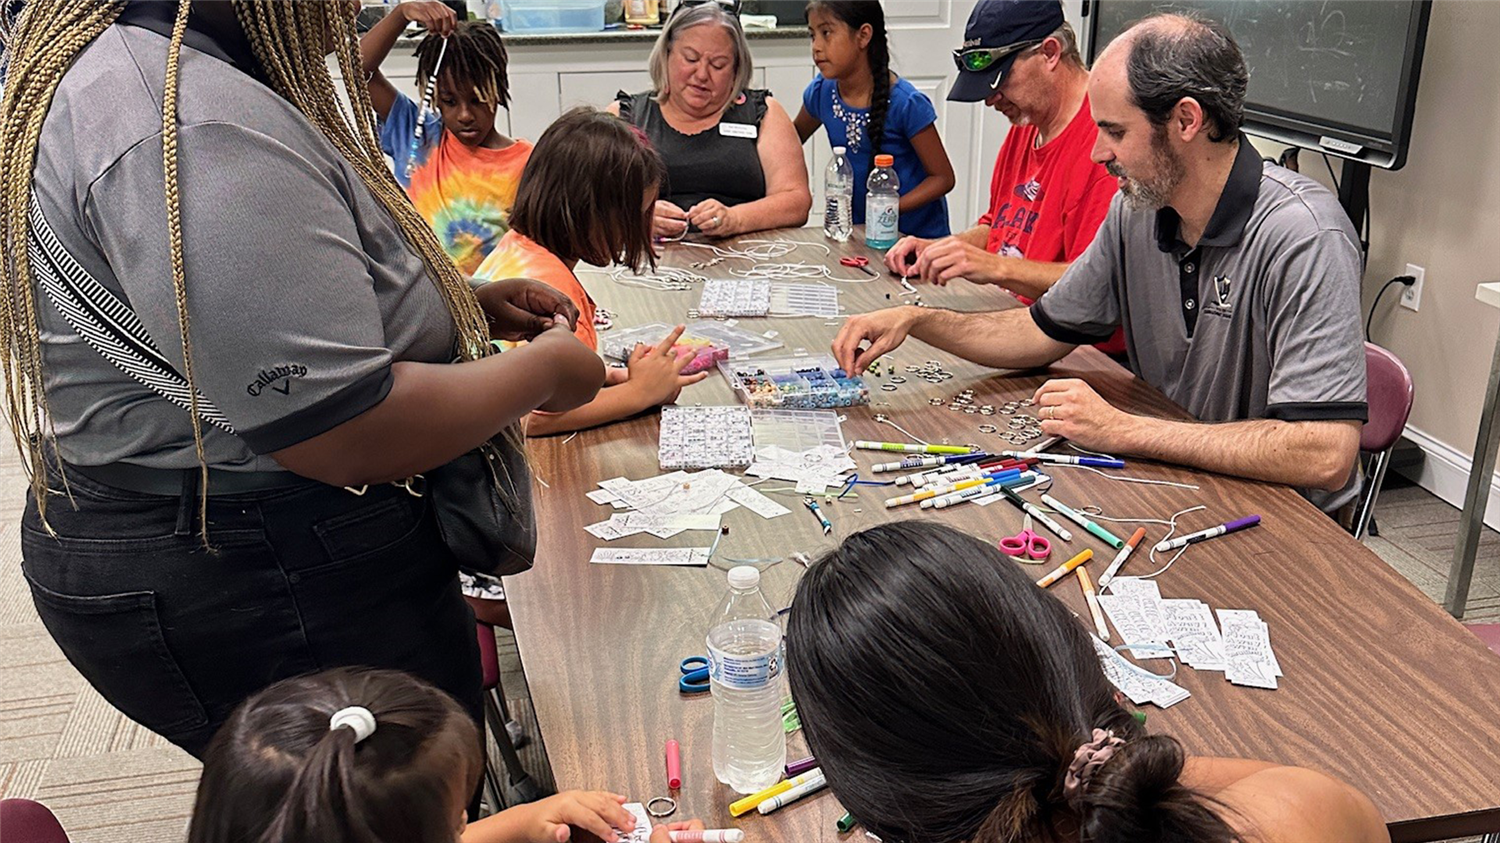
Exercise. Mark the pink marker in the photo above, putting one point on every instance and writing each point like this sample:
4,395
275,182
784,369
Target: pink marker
674,765
713,835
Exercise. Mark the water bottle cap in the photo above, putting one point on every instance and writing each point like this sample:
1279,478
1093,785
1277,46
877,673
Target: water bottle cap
884,160
744,576
839,150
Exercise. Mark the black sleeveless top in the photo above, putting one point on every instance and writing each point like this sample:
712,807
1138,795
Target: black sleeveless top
710,164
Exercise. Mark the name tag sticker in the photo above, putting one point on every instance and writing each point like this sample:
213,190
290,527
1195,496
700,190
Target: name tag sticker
738,130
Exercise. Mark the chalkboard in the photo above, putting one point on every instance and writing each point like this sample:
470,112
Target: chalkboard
1335,75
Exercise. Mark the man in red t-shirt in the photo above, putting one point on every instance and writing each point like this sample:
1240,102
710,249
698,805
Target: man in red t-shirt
1047,198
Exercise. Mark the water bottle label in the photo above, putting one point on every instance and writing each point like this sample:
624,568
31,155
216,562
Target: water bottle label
744,673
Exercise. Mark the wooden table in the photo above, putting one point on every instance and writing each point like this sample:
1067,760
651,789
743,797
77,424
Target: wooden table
1382,687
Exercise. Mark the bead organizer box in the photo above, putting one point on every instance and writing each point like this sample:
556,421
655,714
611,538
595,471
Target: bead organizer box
722,337
795,383
705,437
735,297
705,351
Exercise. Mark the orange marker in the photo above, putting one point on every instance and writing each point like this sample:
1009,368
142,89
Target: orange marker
1065,568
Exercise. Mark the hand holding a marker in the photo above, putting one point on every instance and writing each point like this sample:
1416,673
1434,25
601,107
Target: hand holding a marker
1070,408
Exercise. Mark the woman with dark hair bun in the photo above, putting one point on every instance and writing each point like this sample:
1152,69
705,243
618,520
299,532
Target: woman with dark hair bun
950,700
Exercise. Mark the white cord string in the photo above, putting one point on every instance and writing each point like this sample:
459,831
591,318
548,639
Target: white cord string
793,271
665,278
1120,479
1172,524
759,250
912,436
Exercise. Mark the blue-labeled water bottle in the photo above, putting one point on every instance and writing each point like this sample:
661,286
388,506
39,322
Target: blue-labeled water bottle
838,192
744,661
882,198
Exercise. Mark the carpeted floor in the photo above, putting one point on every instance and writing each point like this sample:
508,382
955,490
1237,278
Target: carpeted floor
110,781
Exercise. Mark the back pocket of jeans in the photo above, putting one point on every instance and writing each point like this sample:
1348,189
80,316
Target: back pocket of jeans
116,642
348,537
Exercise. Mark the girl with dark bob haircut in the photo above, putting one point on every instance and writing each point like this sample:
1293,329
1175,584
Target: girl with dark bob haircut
949,699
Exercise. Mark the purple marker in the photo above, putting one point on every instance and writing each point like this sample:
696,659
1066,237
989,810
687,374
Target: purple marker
1210,533
797,768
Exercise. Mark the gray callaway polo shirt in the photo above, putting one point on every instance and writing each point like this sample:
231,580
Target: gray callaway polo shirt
1259,320
301,290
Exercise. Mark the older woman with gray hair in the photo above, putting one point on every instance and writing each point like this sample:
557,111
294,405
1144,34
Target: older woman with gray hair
734,162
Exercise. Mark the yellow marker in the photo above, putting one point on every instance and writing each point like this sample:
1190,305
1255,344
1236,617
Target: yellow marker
1065,568
749,803
1091,597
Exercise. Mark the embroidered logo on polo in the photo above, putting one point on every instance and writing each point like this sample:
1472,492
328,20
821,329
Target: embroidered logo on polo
1220,304
277,379
1031,191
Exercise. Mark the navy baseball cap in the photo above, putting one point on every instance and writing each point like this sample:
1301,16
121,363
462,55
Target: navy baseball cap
997,33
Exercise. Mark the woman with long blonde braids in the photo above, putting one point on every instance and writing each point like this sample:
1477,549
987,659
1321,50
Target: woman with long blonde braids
228,353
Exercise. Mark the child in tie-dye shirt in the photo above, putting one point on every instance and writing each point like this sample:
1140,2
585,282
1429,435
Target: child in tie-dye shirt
459,170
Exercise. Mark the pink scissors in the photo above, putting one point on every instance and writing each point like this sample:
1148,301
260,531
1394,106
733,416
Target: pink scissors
1026,546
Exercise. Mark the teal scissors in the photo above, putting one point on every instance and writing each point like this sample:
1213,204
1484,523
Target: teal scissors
694,675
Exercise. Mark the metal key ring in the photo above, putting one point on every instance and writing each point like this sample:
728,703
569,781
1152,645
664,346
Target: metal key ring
662,812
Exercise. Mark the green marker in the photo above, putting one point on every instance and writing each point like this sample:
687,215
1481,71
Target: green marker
1083,521
845,823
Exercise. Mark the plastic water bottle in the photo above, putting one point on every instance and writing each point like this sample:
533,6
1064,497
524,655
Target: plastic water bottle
838,192
744,663
883,194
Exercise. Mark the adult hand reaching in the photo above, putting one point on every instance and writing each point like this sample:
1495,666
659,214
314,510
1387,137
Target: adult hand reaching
714,218
668,221
884,330
902,257
520,308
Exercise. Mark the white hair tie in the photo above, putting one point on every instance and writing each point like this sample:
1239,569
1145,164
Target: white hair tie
355,717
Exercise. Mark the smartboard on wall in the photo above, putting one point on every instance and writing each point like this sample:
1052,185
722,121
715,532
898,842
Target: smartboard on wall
1338,76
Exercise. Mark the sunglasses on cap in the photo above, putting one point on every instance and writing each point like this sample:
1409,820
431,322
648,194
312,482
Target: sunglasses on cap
983,58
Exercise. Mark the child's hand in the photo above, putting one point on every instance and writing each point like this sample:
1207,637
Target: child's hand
659,834
616,375
656,373
597,812
435,17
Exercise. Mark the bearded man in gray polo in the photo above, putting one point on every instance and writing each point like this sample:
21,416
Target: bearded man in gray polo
1236,283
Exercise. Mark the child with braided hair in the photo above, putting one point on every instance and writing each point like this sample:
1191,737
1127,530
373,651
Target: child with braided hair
459,169
924,661
869,110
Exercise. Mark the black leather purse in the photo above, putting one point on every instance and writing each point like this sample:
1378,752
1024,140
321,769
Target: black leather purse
489,532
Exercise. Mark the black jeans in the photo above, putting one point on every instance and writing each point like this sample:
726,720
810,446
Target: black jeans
297,580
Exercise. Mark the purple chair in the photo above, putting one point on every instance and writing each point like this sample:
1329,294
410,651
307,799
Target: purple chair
1390,399
512,785
24,821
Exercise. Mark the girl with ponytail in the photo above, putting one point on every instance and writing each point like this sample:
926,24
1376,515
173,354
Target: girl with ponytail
869,110
370,756
950,700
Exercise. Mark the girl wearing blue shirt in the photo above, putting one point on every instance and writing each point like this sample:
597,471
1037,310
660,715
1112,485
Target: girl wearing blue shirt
868,109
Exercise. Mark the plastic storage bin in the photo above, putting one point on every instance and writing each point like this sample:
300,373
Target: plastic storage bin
542,17
795,383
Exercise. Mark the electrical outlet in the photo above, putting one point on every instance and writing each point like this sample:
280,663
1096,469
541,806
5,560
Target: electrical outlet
1411,297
